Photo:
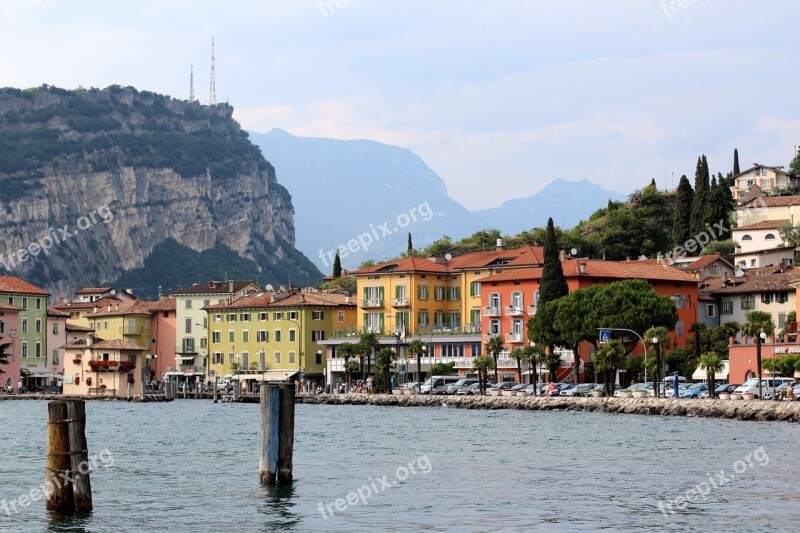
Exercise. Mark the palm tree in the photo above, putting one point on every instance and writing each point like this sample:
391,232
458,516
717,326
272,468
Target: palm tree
758,322
416,348
607,359
346,351
383,365
519,354
3,356
366,344
663,342
494,347
351,367
552,361
531,357
482,364
712,364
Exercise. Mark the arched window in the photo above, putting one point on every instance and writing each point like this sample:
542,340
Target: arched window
747,238
769,237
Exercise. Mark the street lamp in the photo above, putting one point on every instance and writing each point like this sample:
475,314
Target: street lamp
419,368
656,390
760,338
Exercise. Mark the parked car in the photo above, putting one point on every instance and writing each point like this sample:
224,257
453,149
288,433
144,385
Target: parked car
726,388
670,390
528,389
767,384
473,390
693,391
636,386
504,385
463,383
410,385
440,384
582,389
562,388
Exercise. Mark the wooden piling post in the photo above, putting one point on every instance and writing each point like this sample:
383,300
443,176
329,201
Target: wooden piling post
198,391
277,433
236,389
215,392
58,490
79,456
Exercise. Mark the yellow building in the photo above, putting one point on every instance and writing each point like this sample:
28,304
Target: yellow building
276,331
127,321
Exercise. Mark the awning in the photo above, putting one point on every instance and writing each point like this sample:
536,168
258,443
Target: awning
269,375
185,357
37,371
700,373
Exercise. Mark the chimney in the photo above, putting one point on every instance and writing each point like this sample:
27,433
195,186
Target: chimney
230,286
109,309
89,339
501,243
95,309
562,256
582,267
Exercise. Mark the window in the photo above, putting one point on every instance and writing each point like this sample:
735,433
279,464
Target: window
475,318
217,318
245,317
752,262
748,302
318,358
291,315
438,319
262,316
216,337
453,294
187,345
766,297
341,316
24,349
24,303
727,308
679,327
38,352
782,297
3,327
277,315
262,336
38,303
454,319
475,349
516,301
231,336
206,303
680,301
188,325
291,358
292,335
438,292
373,322
747,238
494,302
203,342
55,357
38,325
317,336
245,336
277,358
231,317
474,289
317,315
205,322
711,310
494,328
770,237
422,292
245,360
277,335
188,304
24,325
262,360
781,323
423,318
217,358
230,358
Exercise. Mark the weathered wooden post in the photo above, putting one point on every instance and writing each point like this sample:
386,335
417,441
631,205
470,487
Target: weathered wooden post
198,391
277,433
58,490
236,390
215,392
79,456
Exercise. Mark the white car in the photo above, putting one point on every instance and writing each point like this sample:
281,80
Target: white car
767,386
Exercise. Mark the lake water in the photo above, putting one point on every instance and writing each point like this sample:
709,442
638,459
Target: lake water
193,466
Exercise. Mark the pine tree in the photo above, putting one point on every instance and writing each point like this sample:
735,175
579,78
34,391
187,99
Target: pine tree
681,222
736,170
553,284
410,246
337,266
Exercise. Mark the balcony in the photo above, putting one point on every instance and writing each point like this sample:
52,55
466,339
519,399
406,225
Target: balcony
491,311
368,303
514,337
489,336
401,302
514,311
532,310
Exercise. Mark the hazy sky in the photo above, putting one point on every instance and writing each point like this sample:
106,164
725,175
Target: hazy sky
499,97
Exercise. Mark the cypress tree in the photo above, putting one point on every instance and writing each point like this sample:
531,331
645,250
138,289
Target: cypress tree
553,284
653,183
410,246
698,218
681,222
736,170
337,266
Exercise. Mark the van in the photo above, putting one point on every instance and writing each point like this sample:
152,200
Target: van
440,384
768,386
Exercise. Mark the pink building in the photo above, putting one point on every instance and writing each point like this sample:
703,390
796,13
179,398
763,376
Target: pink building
162,349
9,341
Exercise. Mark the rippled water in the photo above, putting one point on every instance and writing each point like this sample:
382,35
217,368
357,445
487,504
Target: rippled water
193,466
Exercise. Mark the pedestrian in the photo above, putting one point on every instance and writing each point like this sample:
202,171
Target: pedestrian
59,386
19,387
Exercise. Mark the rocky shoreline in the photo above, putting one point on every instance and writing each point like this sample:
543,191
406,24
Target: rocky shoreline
726,409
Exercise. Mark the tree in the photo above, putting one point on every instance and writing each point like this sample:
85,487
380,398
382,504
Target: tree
351,367
482,364
581,303
444,369
663,342
346,351
410,246
519,355
553,284
682,221
736,170
493,348
633,304
758,322
365,346
552,361
3,356
790,234
383,365
701,200
337,266
416,348
725,248
712,363
607,359
794,166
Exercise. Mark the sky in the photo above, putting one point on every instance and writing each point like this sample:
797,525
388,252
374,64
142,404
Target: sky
498,97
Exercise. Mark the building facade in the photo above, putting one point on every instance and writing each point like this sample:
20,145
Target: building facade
31,340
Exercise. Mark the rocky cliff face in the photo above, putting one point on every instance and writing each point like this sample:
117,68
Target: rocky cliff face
122,171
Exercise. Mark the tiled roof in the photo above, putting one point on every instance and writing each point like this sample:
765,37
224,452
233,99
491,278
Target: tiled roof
76,328
133,307
116,345
772,201
56,313
93,290
765,250
11,284
524,256
596,268
295,299
762,282
167,303
7,307
704,261
766,224
80,306
214,287
406,264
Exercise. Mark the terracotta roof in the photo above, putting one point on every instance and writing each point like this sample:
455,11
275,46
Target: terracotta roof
295,299
524,256
55,313
704,261
116,345
763,282
11,284
772,201
167,303
73,327
7,307
596,268
406,264
93,290
709,285
79,306
759,165
215,287
766,224
133,307
765,250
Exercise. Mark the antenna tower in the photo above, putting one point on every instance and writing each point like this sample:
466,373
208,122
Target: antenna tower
191,83
212,92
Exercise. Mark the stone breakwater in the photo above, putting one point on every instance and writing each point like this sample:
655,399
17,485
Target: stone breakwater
731,409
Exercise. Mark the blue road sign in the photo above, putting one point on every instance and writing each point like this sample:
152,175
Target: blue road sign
605,336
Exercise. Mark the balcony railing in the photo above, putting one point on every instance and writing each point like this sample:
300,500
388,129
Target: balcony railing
489,336
514,311
420,331
514,337
532,310
491,311
371,302
401,302
188,368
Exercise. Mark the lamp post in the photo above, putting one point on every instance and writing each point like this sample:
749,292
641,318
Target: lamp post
760,338
419,368
657,390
